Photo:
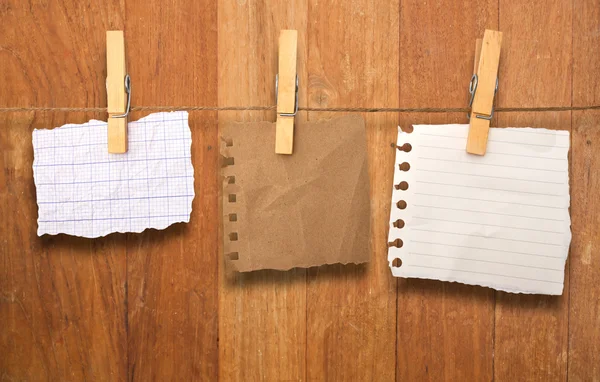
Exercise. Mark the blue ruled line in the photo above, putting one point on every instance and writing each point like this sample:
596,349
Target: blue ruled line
103,144
100,219
114,180
104,162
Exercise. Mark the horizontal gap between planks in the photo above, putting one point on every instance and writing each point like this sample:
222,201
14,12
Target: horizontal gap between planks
322,109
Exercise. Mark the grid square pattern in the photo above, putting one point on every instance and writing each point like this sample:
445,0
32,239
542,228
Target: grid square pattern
82,190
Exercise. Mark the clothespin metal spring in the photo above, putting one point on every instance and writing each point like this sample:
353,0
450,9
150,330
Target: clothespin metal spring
472,90
128,90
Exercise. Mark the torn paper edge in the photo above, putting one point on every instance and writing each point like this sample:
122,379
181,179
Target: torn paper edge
95,121
406,215
232,250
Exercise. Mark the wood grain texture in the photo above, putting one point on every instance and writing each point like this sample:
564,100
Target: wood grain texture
62,299
172,298
521,352
444,330
172,274
52,52
535,63
531,55
172,52
162,305
584,317
584,309
352,309
436,340
262,315
437,45
586,52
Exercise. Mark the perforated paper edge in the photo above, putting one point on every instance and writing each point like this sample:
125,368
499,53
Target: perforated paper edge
396,214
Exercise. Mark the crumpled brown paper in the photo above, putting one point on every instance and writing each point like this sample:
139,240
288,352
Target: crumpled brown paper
301,210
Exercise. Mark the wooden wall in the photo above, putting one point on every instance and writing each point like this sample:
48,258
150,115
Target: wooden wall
162,306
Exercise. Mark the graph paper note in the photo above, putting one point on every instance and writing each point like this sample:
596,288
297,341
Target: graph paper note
500,220
82,190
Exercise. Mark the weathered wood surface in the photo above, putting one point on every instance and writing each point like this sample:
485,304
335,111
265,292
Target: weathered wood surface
161,305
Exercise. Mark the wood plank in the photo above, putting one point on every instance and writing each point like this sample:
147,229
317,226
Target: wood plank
172,274
262,315
584,317
437,45
586,53
62,299
51,52
519,349
535,64
172,277
584,313
532,330
445,330
352,309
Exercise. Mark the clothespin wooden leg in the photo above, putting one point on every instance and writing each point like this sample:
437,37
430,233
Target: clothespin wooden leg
284,135
287,92
483,89
118,92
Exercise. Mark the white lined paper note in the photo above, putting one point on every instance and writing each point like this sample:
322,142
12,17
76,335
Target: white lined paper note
500,220
83,190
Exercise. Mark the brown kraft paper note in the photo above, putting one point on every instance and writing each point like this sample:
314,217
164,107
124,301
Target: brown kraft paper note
301,210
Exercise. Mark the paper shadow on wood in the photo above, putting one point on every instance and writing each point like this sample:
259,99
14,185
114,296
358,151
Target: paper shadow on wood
79,245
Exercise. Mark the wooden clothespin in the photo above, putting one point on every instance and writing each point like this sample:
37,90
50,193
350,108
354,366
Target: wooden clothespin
118,88
483,88
286,91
